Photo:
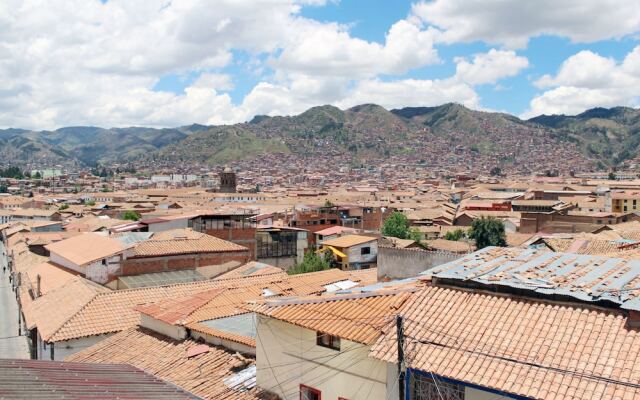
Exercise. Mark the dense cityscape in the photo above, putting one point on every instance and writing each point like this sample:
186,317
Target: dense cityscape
320,200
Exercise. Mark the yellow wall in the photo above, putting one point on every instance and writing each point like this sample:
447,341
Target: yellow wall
287,356
619,204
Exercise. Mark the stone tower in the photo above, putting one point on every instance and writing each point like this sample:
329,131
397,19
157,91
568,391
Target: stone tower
227,181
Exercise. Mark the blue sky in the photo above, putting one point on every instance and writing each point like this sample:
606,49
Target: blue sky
161,63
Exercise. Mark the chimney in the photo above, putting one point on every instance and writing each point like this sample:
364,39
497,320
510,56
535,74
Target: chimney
38,291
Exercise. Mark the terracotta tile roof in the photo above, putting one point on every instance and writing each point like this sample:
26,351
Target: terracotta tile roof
115,311
348,241
52,276
335,230
31,379
536,349
201,374
517,239
183,241
176,311
450,246
358,317
87,248
252,268
92,223
49,312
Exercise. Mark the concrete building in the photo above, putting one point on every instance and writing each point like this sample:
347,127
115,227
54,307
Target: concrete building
353,251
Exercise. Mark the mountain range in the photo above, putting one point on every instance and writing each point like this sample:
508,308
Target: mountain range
607,136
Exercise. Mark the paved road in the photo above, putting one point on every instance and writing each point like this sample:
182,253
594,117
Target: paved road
10,345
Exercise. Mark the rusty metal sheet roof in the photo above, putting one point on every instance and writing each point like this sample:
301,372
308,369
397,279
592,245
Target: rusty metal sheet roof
31,379
582,277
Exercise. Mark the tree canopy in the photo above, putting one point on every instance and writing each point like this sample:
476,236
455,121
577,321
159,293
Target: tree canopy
312,262
131,215
396,225
456,235
488,232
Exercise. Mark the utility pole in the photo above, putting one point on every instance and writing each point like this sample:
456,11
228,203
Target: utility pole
400,339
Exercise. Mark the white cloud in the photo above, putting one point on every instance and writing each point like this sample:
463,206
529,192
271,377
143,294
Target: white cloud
85,62
514,22
417,92
586,80
329,50
490,67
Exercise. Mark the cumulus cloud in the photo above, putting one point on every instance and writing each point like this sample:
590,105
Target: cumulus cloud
586,80
328,49
514,22
88,62
401,93
490,67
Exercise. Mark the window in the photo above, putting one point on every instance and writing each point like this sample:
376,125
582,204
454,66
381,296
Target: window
365,250
309,393
328,341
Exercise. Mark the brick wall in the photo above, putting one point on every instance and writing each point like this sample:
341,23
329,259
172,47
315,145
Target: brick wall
145,265
244,237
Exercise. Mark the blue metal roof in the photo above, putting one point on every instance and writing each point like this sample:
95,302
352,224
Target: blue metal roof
583,277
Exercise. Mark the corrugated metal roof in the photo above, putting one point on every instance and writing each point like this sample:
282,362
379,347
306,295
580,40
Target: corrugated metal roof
31,379
583,277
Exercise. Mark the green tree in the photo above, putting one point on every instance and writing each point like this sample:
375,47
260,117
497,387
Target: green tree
312,262
63,207
131,215
488,232
396,225
612,176
456,235
37,175
3,188
90,203
328,203
415,234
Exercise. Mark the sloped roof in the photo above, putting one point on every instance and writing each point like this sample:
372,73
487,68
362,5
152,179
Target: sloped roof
581,277
529,348
348,241
201,372
183,241
251,268
358,317
35,379
87,248
51,311
107,312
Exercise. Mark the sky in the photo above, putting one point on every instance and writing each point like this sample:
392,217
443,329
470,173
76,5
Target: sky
170,63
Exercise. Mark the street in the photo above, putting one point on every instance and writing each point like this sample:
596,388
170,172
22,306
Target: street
11,345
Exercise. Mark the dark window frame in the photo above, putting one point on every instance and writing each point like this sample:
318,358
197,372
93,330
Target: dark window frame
328,341
309,389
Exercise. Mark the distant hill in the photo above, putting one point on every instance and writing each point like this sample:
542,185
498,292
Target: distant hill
608,134
366,132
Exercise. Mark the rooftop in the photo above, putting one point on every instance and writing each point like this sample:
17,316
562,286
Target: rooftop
87,248
183,241
581,277
31,379
524,347
198,368
348,241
